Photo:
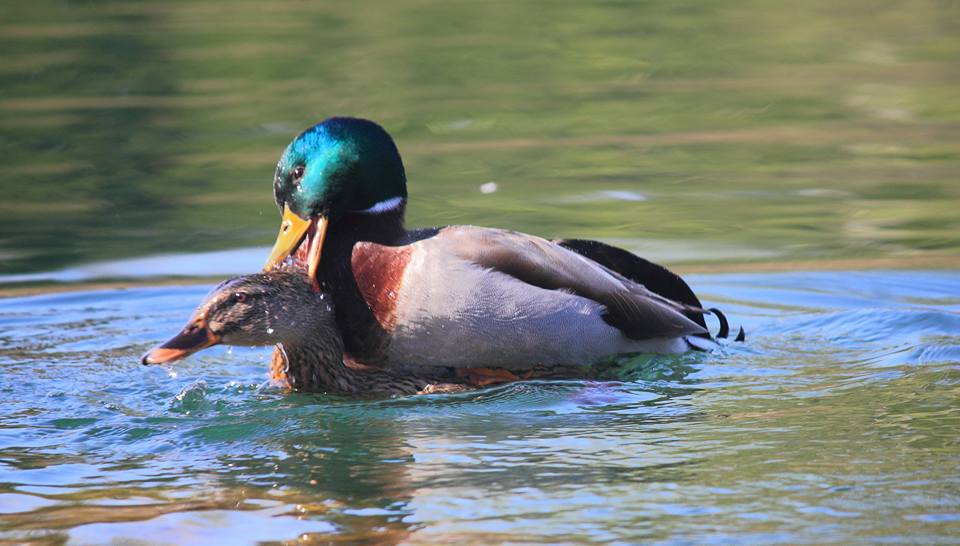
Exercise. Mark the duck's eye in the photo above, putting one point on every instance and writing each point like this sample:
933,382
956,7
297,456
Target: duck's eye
240,297
298,173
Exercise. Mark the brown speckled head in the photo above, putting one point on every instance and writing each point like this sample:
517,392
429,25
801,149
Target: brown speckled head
260,309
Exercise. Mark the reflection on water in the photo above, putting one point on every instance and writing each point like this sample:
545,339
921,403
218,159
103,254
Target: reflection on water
837,418
220,263
743,131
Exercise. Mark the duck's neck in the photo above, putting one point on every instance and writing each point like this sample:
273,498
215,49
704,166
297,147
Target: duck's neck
382,226
363,337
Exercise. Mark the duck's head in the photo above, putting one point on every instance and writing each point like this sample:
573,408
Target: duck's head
337,167
260,309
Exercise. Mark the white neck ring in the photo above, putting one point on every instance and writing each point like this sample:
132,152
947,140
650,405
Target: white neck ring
383,206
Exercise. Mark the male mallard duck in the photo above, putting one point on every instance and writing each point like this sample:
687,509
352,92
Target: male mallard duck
461,296
281,308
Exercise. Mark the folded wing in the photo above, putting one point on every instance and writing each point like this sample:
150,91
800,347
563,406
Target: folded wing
638,312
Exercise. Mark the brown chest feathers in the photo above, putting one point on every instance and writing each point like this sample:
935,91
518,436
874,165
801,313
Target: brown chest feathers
378,271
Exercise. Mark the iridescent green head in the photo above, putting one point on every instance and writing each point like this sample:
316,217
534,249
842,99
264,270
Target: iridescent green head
338,166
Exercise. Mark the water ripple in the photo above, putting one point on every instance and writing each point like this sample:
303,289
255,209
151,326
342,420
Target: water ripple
837,404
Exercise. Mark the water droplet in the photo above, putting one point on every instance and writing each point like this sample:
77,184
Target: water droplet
269,330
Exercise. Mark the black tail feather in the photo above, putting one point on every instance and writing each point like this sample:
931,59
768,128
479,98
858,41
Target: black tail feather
655,277
724,325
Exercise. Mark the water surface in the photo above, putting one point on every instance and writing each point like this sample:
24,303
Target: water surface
836,422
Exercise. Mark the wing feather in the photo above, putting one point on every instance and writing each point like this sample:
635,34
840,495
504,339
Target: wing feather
631,307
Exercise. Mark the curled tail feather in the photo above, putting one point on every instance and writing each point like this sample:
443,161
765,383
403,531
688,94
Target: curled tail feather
725,326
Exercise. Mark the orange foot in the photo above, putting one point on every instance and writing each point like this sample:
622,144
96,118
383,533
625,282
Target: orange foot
482,377
278,369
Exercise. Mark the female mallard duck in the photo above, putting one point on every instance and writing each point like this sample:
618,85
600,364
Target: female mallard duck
459,296
282,308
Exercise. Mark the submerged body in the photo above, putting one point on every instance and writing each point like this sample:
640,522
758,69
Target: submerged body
281,308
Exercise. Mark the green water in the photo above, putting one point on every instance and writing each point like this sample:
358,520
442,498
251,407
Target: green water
138,141
753,132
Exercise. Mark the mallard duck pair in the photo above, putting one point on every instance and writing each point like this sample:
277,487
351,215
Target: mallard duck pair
432,309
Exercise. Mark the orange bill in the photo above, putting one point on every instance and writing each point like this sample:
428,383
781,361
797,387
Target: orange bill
194,337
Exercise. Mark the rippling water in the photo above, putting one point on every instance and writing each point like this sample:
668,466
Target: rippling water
836,422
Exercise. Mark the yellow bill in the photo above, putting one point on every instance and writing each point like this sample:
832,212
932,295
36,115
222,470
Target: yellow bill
293,230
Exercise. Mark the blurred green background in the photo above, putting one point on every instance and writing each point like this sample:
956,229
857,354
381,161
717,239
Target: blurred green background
686,131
